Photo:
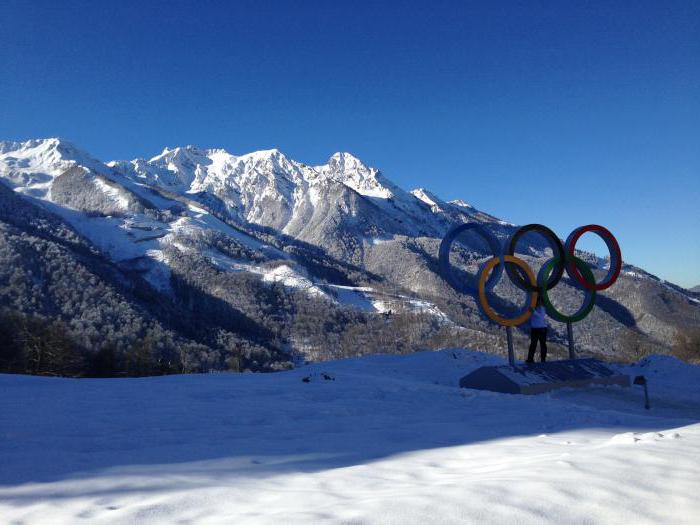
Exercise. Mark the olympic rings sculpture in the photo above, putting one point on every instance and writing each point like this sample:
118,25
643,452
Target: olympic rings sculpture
520,273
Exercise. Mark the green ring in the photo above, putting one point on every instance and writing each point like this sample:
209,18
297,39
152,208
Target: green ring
589,301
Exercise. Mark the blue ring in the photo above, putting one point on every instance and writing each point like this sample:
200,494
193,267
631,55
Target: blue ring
444,256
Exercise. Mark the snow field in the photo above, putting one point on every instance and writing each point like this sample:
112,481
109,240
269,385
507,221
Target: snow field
379,439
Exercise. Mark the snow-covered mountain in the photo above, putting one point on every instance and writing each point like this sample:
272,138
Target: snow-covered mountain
264,187
342,206
340,233
269,189
31,167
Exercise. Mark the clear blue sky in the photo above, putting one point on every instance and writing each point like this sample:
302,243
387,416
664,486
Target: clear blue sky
534,111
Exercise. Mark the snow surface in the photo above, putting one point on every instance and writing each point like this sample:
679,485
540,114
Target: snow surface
288,276
112,192
379,439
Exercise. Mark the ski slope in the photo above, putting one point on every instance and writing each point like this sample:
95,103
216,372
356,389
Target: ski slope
378,439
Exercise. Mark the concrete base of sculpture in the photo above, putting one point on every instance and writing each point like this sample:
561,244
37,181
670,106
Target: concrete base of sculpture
541,377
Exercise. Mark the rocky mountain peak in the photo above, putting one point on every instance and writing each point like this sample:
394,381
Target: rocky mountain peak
426,196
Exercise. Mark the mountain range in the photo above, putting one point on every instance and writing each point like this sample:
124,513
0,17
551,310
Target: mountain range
198,259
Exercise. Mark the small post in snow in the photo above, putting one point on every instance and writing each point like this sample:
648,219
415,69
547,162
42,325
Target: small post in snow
570,334
642,381
511,353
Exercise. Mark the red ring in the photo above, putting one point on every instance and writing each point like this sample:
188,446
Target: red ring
615,256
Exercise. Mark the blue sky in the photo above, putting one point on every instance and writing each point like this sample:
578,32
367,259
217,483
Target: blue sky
534,111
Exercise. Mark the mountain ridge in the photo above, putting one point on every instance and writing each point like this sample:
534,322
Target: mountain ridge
339,241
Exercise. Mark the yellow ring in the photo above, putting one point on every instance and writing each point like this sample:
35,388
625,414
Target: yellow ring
490,312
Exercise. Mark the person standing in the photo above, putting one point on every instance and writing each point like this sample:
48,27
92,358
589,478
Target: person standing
538,332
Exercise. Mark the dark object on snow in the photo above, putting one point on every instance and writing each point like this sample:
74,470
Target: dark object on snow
535,378
641,380
322,375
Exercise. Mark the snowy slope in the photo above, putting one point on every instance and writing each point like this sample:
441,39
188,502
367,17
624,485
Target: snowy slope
381,439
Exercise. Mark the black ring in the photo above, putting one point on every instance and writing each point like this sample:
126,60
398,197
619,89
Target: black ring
556,245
